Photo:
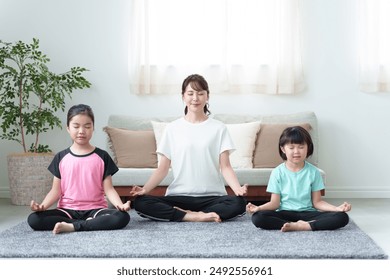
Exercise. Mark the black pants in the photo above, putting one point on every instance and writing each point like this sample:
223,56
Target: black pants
162,207
100,219
317,220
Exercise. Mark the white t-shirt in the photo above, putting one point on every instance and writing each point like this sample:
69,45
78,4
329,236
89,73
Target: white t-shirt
194,151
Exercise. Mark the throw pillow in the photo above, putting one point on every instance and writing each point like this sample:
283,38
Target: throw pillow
244,138
267,150
132,148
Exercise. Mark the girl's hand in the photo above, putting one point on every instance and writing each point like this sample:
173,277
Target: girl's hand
251,208
345,207
124,207
241,191
36,206
137,191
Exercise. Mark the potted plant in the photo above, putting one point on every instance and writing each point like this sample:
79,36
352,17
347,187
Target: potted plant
30,97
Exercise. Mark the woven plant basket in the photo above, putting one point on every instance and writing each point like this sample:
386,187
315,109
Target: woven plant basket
28,177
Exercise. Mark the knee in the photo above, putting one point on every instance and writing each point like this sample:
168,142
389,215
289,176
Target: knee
239,202
344,218
138,203
124,218
121,219
33,221
237,206
258,220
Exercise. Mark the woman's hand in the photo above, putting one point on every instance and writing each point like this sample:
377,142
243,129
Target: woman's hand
241,191
36,206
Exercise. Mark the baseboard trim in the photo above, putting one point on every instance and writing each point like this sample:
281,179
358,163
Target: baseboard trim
330,192
4,192
357,192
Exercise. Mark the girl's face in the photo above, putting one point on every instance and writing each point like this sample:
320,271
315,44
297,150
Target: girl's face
295,153
80,129
195,100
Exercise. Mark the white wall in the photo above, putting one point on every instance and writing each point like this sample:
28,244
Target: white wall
353,126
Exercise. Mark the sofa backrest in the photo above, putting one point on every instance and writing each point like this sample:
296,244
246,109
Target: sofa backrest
144,123
135,123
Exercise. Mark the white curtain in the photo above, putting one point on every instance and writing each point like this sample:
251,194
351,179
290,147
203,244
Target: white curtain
374,45
239,46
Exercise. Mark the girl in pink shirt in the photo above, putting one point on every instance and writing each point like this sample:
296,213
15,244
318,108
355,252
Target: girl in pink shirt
82,179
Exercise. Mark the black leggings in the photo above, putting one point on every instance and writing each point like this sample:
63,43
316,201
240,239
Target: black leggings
162,208
317,220
87,220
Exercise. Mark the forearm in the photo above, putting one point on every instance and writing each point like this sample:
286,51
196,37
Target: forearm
113,196
324,206
50,199
53,195
155,179
271,205
267,206
231,178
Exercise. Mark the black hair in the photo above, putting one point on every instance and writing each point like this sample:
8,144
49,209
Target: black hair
80,109
198,83
295,135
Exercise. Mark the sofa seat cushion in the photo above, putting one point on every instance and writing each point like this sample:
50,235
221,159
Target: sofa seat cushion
138,176
259,176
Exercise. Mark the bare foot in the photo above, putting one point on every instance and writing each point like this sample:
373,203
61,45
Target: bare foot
201,217
296,226
63,227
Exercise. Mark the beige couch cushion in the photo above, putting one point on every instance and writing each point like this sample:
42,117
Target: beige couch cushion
244,137
132,148
267,149
134,123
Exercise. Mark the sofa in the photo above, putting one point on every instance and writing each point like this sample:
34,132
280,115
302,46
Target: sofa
132,142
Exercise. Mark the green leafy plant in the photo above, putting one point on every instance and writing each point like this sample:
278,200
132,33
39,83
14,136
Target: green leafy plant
30,94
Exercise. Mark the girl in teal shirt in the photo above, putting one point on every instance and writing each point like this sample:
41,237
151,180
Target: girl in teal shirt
295,187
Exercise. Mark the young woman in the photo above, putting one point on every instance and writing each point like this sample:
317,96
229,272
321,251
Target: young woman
295,188
197,149
82,178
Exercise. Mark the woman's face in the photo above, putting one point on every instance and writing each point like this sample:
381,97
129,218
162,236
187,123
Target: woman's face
195,100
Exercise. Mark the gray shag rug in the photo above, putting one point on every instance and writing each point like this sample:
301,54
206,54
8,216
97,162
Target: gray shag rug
143,238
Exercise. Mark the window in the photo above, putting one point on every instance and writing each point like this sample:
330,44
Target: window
374,43
239,46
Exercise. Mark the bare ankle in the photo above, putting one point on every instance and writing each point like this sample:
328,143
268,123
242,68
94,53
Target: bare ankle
296,226
63,227
201,217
